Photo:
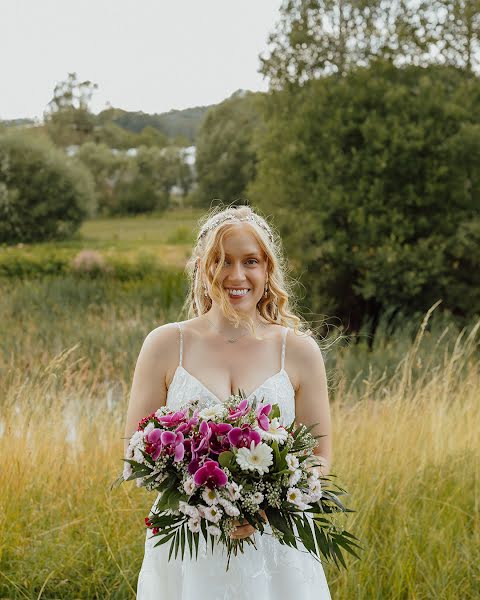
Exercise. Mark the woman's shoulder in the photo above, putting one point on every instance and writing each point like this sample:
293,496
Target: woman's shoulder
303,346
162,337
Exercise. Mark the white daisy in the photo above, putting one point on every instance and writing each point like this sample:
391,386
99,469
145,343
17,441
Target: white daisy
257,497
211,413
193,525
234,490
295,477
150,427
210,496
138,456
229,508
127,470
275,432
292,462
188,509
136,439
256,458
315,491
213,513
214,530
189,486
294,495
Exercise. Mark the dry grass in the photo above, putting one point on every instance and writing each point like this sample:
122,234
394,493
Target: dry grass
407,450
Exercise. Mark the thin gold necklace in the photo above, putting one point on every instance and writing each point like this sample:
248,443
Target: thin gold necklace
231,340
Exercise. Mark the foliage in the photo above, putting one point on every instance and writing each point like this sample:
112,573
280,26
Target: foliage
314,38
145,185
226,159
68,119
381,168
43,194
175,123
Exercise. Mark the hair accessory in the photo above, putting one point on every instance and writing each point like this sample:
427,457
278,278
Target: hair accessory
253,218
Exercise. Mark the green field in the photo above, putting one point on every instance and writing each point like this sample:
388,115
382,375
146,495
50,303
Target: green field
406,418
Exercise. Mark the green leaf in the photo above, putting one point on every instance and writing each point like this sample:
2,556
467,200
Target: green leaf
170,552
275,412
164,539
182,532
189,540
196,539
226,458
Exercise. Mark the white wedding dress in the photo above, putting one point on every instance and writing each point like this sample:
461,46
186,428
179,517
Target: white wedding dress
271,572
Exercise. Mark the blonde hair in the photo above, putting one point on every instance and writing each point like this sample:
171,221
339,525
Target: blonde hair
214,226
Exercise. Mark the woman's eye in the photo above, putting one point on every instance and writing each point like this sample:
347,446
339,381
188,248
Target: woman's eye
254,260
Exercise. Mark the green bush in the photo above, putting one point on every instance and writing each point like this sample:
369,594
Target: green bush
374,182
44,195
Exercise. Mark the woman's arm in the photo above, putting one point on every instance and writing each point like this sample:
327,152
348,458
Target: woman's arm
311,397
148,390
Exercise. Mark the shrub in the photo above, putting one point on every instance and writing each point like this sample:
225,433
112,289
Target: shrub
44,195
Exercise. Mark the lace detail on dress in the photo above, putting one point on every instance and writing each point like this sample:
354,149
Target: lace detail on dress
277,389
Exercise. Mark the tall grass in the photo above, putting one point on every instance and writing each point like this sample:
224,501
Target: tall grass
406,446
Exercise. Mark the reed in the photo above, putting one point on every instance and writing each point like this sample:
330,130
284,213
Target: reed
406,446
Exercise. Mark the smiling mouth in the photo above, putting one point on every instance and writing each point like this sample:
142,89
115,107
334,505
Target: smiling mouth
238,293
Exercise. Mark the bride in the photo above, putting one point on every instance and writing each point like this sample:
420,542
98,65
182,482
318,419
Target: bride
242,335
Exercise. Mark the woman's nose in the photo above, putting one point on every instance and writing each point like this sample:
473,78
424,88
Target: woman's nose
237,271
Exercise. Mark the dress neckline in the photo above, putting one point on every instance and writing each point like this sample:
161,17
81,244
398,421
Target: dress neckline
282,370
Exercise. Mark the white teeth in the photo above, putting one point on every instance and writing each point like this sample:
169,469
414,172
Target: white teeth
237,292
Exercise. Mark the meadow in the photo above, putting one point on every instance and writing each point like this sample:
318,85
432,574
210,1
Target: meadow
406,417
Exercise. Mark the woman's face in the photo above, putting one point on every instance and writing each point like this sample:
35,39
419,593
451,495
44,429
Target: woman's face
243,272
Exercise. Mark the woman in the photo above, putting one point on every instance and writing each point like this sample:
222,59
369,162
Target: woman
242,335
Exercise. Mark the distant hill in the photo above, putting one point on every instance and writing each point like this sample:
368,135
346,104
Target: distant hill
18,122
175,123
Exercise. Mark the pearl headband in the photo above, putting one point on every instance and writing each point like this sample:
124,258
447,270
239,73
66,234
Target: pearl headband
252,218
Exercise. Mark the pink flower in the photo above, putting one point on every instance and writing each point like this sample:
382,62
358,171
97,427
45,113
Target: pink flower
242,409
210,475
262,411
173,419
173,443
159,440
241,437
188,425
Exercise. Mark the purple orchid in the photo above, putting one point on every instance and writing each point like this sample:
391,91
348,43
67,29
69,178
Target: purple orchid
262,411
242,437
219,439
242,409
210,475
173,444
188,425
173,419
153,443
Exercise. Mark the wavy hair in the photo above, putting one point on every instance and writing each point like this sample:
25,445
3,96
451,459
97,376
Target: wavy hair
206,261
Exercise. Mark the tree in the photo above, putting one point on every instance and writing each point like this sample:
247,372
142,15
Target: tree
225,160
146,185
316,38
107,168
68,118
44,195
380,169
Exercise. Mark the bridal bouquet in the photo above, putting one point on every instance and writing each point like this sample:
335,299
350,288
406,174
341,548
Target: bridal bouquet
216,465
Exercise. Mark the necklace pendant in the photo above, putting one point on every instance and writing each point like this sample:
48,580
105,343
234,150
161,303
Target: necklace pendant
231,340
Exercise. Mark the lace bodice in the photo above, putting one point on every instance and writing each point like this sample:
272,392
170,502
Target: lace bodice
276,389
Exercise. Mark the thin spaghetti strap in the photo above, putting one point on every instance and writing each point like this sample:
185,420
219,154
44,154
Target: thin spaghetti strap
181,342
285,331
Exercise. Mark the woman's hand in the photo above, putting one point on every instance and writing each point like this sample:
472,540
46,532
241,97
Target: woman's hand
244,529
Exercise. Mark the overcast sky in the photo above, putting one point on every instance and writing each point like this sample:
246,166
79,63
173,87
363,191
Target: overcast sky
149,55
